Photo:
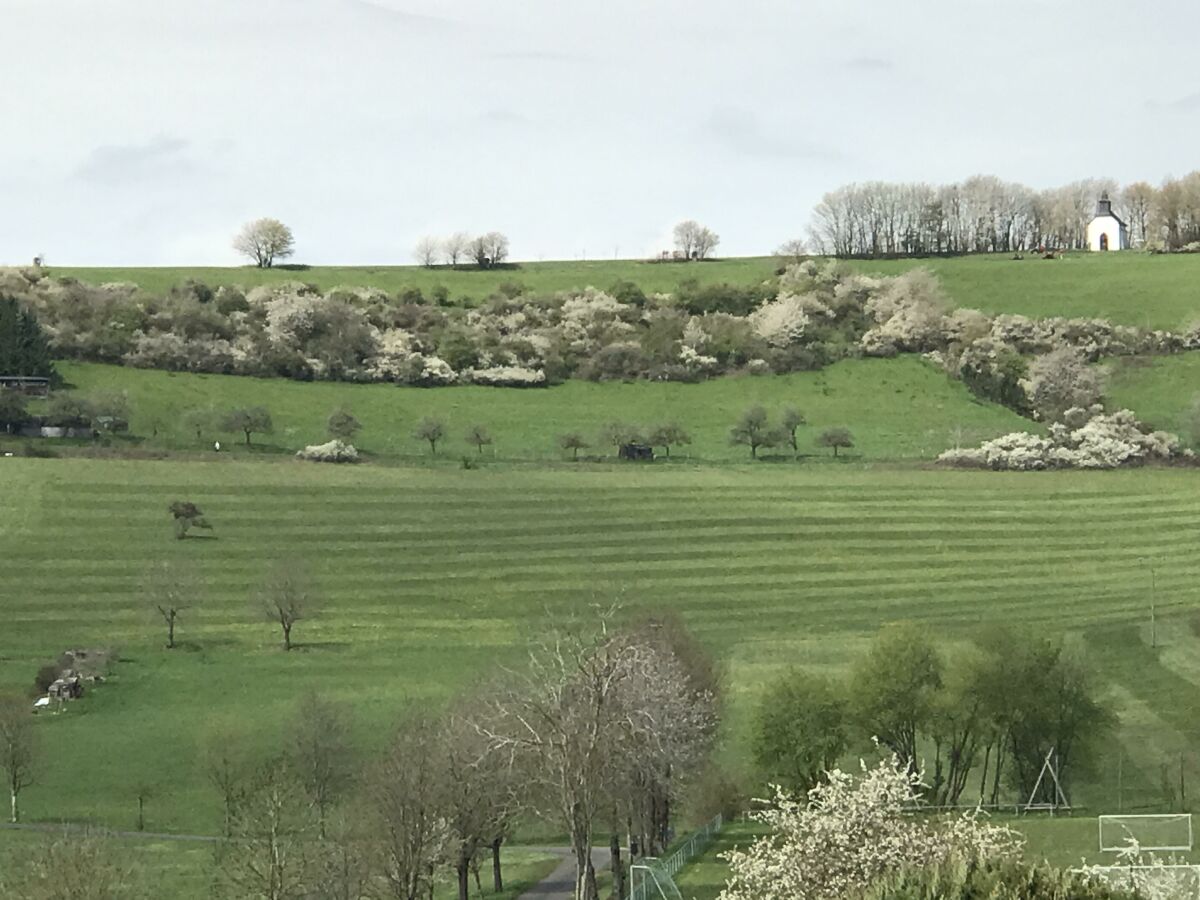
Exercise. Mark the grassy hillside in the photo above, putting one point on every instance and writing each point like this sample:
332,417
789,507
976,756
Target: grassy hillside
1127,288
431,577
896,408
1161,389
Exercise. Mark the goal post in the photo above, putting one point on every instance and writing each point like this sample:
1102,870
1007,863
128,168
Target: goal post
1162,832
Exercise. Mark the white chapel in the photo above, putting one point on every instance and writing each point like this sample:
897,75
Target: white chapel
1106,231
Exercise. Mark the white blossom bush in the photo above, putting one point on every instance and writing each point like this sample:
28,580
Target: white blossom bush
695,361
781,322
1147,874
1087,439
506,376
850,831
909,314
430,371
334,451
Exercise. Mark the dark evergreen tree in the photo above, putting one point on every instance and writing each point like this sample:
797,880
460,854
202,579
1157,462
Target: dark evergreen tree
24,349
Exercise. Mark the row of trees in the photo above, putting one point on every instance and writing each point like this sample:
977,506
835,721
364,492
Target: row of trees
989,711
605,728
484,250
985,214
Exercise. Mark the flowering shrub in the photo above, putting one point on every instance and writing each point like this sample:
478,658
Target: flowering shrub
849,832
1087,439
333,452
782,322
506,376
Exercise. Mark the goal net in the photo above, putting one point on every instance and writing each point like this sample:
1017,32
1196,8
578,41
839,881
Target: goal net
651,880
1169,832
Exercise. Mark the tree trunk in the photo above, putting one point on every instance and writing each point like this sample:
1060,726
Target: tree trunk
13,796
171,631
247,438
287,637
497,877
835,451
618,868
141,813
463,871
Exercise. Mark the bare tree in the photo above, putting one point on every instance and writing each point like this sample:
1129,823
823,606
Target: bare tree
573,441
617,434
264,241
430,429
693,240
322,754
792,251
427,251
19,749
479,436
456,247
342,425
269,853
74,865
248,420
226,763
1137,203
835,438
286,597
489,249
171,588
404,790
592,707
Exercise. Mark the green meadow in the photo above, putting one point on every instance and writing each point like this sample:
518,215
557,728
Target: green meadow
1126,288
432,577
896,409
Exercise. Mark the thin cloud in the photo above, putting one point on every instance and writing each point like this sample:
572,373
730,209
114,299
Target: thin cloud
395,14
870,64
1186,104
155,160
740,131
538,56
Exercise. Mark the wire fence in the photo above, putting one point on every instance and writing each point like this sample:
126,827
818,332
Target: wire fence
660,873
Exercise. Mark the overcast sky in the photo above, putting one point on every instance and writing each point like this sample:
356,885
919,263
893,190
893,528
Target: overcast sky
144,132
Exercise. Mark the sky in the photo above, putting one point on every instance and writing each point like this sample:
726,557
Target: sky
145,132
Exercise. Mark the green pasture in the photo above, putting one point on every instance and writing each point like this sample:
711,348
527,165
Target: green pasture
464,281
897,408
1161,389
432,577
1127,288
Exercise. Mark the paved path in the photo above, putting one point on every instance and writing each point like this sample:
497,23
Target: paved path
560,884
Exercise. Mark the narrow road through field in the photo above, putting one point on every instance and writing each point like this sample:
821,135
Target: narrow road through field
560,884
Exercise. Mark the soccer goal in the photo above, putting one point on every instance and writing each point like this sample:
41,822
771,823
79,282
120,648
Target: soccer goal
650,880
1165,832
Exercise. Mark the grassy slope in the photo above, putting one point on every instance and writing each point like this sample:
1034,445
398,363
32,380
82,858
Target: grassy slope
895,408
434,576
1128,288
1161,389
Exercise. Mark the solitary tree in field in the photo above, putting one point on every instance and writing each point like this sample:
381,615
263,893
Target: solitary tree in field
432,430
187,515
573,441
667,436
264,241
343,425
427,251
489,249
249,420
752,430
18,749
286,597
836,438
792,419
617,434
792,251
479,436
170,590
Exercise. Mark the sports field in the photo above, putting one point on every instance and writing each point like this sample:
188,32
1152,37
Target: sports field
434,576
1126,288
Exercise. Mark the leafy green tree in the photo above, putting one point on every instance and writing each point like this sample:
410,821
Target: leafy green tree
573,441
13,411
800,730
479,436
265,240
342,425
753,430
791,420
248,420
668,435
893,688
835,438
24,349
430,429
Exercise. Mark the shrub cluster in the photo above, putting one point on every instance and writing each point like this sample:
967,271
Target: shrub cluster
1086,439
335,451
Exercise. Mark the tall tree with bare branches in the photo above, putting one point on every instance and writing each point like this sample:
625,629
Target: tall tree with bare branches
286,597
19,750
